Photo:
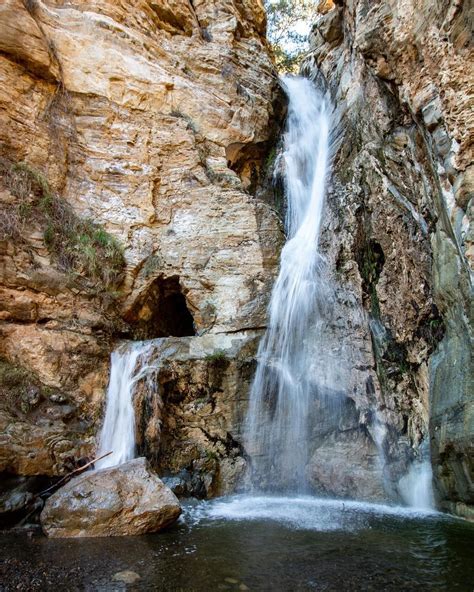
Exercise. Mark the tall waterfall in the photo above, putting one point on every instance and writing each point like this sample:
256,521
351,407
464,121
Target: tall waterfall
284,386
129,365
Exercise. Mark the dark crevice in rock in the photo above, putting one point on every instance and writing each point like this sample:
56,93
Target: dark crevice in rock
370,260
254,162
391,356
19,501
203,30
161,311
32,6
431,330
242,329
169,20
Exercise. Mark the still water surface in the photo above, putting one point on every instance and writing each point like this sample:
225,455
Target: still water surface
258,543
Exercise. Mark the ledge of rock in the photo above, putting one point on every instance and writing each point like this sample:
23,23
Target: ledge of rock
126,500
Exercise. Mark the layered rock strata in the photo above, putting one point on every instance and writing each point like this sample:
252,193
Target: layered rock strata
399,223
152,120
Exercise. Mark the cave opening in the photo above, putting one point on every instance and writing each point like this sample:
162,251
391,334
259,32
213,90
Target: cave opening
162,311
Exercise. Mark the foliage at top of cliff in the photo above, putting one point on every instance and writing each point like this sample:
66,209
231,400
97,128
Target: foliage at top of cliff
75,244
287,30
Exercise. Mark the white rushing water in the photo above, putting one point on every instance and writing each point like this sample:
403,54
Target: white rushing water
129,365
277,426
416,487
298,512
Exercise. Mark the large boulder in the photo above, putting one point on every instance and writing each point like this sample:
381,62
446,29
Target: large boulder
125,500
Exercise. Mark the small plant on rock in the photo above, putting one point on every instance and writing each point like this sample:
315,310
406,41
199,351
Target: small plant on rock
217,356
75,244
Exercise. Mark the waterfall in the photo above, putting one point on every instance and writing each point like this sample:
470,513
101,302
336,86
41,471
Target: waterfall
416,486
129,365
303,369
277,432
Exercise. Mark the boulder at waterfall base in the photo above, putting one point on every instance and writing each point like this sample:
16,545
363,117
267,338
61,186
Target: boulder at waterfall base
125,500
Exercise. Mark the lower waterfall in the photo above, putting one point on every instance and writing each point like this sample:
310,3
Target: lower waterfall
416,486
129,365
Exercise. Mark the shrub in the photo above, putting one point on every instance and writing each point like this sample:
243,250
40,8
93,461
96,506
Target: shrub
20,389
211,454
217,356
152,264
75,244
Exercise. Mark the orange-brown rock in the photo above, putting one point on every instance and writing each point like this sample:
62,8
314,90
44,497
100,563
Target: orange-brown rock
153,120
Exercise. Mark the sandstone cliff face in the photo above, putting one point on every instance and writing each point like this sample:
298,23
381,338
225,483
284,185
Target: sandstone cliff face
399,223
153,120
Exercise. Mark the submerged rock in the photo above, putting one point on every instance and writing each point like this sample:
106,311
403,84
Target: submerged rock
127,577
125,500
347,465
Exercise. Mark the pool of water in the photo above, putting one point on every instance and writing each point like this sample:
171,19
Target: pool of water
257,543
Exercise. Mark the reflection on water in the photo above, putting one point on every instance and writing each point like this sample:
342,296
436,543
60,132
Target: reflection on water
243,543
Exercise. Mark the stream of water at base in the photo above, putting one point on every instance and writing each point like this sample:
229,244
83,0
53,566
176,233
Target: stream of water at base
277,544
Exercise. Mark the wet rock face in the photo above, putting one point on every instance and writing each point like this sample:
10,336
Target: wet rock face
190,424
399,224
153,120
125,500
328,470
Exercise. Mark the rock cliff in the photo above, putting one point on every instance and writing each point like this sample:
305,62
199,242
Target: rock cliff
135,144
147,125
399,226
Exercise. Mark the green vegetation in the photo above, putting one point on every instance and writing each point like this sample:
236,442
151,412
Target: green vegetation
13,376
371,260
217,356
287,21
211,454
152,264
270,161
20,390
75,244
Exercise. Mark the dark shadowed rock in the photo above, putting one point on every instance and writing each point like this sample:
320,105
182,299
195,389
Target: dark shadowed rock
398,233
125,500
